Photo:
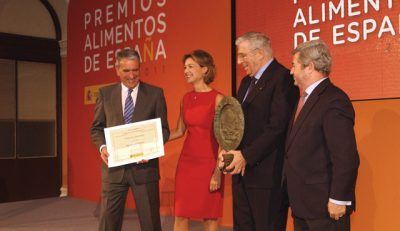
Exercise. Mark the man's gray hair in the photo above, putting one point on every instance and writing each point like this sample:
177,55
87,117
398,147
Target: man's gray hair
127,53
316,52
256,40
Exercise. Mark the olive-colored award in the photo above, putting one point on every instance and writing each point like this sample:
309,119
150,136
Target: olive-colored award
228,127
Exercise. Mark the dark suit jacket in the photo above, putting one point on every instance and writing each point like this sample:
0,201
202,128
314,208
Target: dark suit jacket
267,110
321,159
150,104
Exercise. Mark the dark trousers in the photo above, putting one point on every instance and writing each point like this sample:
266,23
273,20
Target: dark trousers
113,204
258,209
325,224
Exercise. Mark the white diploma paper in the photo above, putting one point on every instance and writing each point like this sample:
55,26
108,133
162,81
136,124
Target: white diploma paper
130,143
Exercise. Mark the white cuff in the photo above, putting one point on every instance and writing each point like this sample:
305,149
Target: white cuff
339,202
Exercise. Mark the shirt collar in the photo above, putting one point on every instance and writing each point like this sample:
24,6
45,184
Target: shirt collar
311,88
125,89
262,69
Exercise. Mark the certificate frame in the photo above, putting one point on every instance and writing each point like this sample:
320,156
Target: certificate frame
133,142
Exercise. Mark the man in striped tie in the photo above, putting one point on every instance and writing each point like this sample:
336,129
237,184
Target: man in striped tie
129,101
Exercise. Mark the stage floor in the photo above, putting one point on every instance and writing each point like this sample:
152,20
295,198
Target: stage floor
65,213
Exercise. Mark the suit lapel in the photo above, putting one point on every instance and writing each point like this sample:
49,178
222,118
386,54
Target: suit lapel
290,126
140,102
295,126
117,103
243,88
256,90
261,83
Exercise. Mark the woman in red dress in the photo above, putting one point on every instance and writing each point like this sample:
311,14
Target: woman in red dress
198,184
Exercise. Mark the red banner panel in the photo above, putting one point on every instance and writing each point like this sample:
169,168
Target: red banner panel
363,37
162,32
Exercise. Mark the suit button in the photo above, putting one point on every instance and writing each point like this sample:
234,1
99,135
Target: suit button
286,157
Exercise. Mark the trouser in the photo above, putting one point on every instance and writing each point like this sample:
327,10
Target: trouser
258,209
113,203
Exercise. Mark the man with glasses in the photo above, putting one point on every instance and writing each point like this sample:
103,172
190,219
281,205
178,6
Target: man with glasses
268,96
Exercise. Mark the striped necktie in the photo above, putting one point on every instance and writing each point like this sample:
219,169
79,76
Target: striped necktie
129,107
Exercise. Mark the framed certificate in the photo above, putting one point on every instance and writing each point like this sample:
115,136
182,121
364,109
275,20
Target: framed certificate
130,143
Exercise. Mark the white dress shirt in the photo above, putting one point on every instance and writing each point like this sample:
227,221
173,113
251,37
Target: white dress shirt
124,94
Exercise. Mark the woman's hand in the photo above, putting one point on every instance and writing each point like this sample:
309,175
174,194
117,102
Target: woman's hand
215,182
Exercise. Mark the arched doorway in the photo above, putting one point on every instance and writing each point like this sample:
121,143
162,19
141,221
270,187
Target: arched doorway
30,115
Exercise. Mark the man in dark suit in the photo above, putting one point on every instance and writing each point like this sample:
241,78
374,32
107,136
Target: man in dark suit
321,160
268,96
126,102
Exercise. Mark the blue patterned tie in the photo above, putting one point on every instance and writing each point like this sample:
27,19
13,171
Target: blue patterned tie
129,107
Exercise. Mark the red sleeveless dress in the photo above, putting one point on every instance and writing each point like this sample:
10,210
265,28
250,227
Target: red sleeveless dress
197,161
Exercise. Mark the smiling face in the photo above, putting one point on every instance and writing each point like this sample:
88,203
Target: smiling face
193,71
249,58
129,72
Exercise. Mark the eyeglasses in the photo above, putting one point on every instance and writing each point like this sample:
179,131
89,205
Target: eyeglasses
244,56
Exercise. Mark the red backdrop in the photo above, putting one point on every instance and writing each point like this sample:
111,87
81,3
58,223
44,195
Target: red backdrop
162,31
365,68
364,38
